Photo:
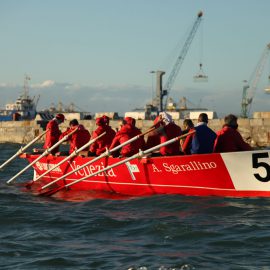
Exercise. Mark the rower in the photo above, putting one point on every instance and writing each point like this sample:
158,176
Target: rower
79,138
204,138
187,141
166,129
52,135
127,131
101,144
228,138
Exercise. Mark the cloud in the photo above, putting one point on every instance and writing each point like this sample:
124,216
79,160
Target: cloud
45,84
3,85
72,86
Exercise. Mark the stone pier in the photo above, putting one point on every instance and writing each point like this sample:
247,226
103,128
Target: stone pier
256,130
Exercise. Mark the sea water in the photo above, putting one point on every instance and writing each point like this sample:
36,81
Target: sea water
90,231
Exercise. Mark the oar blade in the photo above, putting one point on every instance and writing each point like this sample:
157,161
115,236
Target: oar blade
50,191
29,184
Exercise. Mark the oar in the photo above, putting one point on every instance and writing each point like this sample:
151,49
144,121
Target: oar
138,155
22,149
105,154
73,154
47,151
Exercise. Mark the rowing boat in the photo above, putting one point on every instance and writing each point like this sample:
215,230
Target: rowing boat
235,174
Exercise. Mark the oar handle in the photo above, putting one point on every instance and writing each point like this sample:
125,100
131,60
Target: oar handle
62,140
147,131
129,141
154,148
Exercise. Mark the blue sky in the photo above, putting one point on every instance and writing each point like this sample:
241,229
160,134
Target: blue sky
99,54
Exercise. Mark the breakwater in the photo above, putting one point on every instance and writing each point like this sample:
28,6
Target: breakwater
256,130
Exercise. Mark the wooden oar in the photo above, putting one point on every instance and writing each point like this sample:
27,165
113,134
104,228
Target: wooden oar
138,155
73,154
22,149
105,154
47,151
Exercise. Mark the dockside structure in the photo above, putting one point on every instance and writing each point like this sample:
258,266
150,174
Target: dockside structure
256,130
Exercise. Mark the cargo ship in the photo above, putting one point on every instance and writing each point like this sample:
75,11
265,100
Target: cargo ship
24,108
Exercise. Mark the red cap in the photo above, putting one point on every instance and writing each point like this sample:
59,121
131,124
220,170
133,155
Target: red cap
60,117
130,121
100,121
106,119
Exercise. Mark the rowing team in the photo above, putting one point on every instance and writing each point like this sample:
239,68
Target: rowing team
203,140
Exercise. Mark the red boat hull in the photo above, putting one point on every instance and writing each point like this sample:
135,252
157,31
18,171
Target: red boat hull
239,174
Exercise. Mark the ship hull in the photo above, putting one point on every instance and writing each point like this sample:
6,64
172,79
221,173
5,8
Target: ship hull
239,174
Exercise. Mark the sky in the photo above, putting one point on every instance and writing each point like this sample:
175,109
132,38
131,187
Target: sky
99,54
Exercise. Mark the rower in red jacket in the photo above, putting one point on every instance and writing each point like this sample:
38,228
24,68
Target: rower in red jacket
153,138
228,138
52,136
79,138
127,131
186,143
166,130
101,144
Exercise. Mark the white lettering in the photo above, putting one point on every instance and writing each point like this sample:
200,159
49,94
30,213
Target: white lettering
167,167
92,169
213,165
155,169
111,173
190,166
73,168
85,171
46,167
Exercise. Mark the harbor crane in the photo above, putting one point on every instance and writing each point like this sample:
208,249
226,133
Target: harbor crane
179,61
250,87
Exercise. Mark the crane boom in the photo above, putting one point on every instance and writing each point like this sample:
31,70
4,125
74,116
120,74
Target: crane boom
250,89
179,61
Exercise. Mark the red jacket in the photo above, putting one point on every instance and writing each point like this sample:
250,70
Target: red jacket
77,139
127,132
153,139
162,134
230,140
52,136
171,131
187,143
100,145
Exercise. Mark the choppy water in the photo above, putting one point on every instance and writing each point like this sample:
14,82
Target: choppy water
152,233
